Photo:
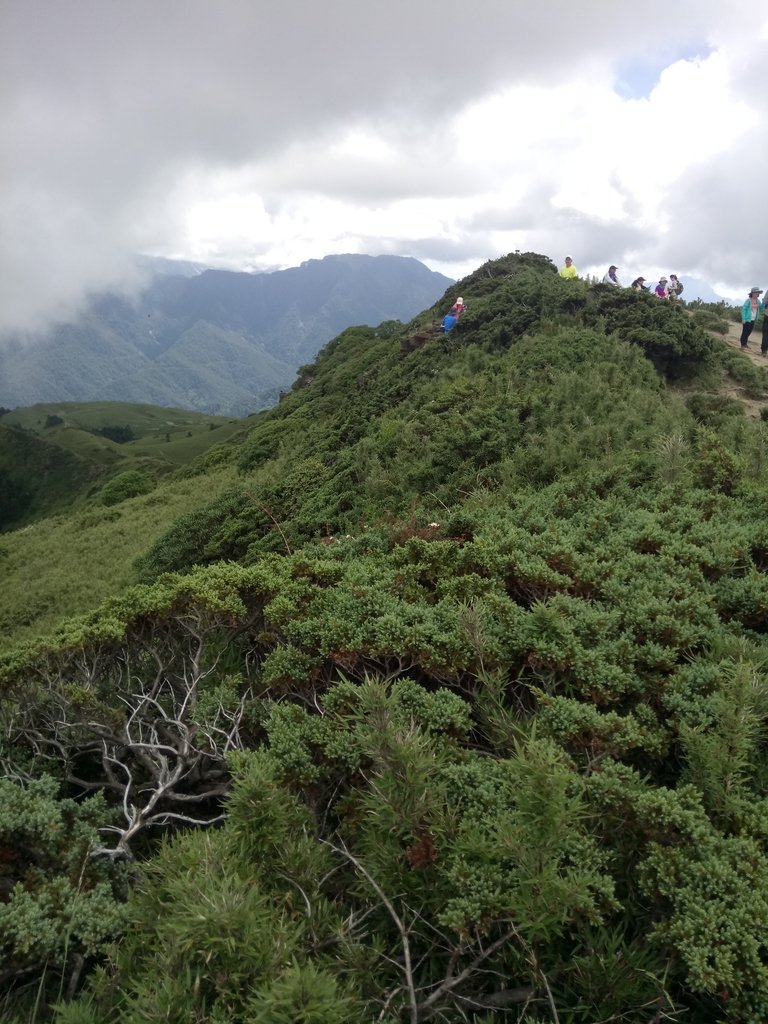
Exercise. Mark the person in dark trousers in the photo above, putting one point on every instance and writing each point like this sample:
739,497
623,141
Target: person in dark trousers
764,342
750,311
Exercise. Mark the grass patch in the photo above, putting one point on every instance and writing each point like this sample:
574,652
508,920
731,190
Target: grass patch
67,565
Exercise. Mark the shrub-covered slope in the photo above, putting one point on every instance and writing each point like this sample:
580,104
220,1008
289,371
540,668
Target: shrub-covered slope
454,708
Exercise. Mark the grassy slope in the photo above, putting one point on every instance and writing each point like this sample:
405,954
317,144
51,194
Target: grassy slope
67,564
65,464
356,437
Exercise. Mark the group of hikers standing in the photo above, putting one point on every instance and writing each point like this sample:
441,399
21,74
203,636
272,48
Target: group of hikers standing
752,309
670,289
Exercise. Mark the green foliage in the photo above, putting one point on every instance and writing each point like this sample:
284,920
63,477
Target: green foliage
58,905
710,409
118,434
461,658
65,566
753,379
129,484
710,320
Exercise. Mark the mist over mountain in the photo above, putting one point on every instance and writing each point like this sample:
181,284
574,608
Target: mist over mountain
215,341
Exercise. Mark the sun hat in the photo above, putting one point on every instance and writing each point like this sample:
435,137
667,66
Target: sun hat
569,257
755,289
662,279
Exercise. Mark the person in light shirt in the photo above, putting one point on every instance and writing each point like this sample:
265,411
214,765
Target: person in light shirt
569,271
674,288
611,278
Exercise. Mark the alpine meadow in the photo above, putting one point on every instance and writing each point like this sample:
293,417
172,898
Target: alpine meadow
436,692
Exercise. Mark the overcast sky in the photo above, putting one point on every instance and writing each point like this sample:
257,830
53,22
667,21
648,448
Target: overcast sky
255,134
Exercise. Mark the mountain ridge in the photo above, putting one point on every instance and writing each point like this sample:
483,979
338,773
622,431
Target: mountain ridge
250,333
436,691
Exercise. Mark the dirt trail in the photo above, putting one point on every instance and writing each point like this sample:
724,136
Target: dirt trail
753,352
753,407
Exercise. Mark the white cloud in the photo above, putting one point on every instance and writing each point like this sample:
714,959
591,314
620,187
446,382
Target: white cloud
260,135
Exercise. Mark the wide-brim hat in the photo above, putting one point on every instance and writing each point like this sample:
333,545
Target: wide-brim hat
755,289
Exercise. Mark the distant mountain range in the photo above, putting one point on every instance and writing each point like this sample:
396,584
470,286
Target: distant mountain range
695,288
216,341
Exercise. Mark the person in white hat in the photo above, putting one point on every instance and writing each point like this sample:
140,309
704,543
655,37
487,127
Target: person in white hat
750,311
661,289
569,272
458,307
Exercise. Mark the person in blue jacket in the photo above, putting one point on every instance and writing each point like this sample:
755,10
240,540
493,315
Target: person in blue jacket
750,311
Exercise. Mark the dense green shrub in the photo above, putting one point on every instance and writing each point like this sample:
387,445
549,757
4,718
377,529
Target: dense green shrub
129,484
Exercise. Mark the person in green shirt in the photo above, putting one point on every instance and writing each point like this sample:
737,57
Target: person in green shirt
568,271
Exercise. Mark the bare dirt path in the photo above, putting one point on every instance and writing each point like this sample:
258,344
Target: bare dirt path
753,351
753,407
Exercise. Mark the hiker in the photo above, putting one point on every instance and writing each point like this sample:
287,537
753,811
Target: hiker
639,285
764,342
674,288
661,289
610,277
569,272
458,307
449,320
750,311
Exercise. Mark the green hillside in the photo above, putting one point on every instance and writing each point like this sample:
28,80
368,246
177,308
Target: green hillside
437,692
55,455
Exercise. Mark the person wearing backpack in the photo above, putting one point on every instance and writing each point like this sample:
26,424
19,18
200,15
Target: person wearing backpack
674,288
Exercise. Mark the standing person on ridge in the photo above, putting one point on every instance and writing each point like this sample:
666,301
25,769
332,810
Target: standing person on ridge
752,308
661,289
610,277
764,342
569,272
675,288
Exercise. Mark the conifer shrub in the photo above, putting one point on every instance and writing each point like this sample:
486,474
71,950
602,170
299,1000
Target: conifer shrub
710,409
710,320
129,484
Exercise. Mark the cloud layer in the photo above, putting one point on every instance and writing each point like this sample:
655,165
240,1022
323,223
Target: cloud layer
259,135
